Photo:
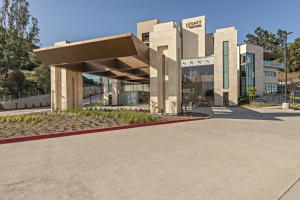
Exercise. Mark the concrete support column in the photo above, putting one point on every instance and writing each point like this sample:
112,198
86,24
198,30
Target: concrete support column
66,89
105,90
55,88
116,85
165,69
161,72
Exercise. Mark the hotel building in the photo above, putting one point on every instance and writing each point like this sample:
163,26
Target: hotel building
167,65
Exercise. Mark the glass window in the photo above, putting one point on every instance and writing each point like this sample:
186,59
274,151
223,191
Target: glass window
250,65
225,98
247,73
270,73
271,88
110,85
243,58
145,37
210,70
225,64
198,85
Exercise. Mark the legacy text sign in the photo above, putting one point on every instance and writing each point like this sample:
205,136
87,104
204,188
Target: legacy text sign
194,24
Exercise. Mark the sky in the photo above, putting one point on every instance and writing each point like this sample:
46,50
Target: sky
76,20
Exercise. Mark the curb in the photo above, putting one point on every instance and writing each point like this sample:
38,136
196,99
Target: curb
97,130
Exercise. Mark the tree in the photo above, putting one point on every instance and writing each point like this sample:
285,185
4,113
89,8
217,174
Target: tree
41,77
88,81
19,34
251,93
275,43
294,55
16,82
264,38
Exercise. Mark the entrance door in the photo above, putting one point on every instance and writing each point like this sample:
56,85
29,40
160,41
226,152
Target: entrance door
110,99
225,98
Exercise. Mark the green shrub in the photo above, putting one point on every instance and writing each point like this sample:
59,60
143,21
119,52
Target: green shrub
21,119
129,117
244,100
251,93
259,104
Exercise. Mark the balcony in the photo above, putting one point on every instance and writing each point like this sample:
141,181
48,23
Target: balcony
268,63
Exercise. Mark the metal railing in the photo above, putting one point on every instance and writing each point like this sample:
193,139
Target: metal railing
269,63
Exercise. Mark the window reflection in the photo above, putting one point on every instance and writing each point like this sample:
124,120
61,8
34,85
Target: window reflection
247,72
198,85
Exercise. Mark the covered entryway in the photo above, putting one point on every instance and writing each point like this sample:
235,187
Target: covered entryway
119,57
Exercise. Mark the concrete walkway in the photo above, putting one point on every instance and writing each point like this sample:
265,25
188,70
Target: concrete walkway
256,157
293,193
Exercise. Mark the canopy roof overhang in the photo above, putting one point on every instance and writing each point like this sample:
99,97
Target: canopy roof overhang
121,56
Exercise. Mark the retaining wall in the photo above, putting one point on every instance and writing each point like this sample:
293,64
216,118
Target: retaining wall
27,102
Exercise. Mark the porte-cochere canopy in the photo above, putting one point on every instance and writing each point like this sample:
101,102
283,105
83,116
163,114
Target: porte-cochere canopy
122,57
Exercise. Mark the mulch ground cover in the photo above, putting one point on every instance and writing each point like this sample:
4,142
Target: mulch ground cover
57,122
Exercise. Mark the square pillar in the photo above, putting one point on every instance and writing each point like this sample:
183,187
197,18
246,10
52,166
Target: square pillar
66,89
116,84
105,82
165,69
55,88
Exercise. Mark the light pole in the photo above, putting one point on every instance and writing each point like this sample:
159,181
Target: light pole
90,94
286,104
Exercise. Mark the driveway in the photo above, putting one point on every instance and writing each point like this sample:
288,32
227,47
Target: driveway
254,157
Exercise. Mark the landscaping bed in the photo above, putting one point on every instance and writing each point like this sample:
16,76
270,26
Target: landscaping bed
295,106
46,123
258,104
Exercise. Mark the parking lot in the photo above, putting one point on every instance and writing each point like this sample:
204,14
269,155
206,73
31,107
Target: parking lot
239,154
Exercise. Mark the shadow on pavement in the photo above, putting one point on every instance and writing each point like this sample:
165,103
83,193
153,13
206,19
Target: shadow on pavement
246,113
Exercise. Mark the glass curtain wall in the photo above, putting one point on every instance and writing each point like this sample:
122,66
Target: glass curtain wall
270,88
247,72
198,85
225,65
134,93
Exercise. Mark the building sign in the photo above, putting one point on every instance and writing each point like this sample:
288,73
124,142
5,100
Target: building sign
194,24
209,60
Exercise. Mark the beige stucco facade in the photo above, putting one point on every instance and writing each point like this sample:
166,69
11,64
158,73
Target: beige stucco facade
145,27
160,55
259,67
193,32
270,79
165,69
226,35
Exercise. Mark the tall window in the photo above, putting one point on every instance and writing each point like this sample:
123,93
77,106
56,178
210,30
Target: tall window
110,85
225,64
250,65
247,72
